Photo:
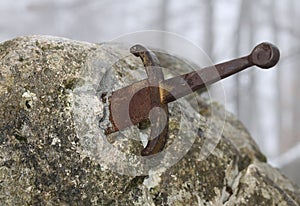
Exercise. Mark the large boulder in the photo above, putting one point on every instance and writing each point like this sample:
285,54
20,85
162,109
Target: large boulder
53,150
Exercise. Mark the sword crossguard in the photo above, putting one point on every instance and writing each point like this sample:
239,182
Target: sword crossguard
159,118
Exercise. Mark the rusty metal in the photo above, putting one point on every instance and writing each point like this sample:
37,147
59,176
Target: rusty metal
159,121
264,55
132,104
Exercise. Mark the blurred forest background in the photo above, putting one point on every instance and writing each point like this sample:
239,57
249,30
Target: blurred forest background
267,102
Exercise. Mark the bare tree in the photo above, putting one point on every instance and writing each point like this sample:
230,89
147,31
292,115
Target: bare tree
279,80
163,19
208,27
239,27
296,82
245,82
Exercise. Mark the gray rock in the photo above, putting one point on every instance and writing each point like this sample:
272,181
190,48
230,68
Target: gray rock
53,150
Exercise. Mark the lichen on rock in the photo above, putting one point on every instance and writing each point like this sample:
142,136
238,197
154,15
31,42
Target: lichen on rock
51,141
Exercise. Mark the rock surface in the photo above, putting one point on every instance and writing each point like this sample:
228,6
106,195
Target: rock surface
50,148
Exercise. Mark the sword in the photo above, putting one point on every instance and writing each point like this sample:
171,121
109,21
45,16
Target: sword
133,104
